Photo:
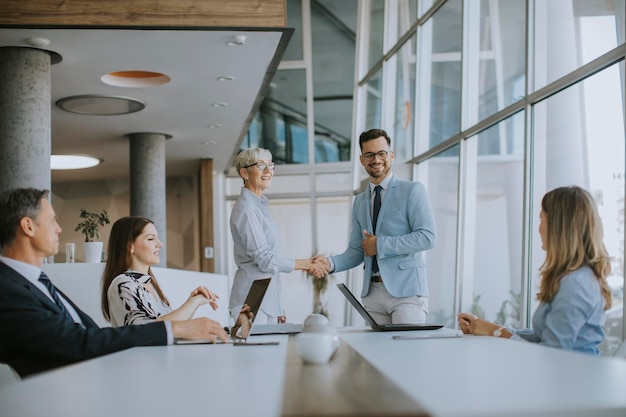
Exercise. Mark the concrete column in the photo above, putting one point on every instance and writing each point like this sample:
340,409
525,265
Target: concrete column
147,182
25,119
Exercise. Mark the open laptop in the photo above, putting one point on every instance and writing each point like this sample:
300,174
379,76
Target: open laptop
253,300
382,327
244,322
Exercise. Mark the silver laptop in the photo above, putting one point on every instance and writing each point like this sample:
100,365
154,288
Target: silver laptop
382,327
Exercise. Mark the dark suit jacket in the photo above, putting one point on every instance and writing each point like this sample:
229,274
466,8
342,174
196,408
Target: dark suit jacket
36,336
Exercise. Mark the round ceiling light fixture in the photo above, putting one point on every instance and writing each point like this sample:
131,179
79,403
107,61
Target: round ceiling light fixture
101,104
66,162
135,79
237,40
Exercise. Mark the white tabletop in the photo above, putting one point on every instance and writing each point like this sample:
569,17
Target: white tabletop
168,381
487,376
468,376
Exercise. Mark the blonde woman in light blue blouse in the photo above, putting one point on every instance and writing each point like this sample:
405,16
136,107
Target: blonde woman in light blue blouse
574,293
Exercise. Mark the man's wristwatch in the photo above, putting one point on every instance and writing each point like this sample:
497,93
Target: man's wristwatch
498,331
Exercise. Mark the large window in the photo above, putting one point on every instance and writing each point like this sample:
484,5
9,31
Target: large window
333,36
493,223
571,33
442,36
405,101
501,70
374,102
440,175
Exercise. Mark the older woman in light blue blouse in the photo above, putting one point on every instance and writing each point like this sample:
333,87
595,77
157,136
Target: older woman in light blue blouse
573,293
256,238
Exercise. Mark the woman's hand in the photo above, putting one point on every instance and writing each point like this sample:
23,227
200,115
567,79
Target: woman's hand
202,295
470,324
465,322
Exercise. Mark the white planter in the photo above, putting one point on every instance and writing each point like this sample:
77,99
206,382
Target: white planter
93,252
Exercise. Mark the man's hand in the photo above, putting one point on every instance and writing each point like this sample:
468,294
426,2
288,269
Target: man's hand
200,328
320,267
369,244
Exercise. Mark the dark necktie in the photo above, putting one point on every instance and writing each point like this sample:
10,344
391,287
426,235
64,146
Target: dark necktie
377,202
43,278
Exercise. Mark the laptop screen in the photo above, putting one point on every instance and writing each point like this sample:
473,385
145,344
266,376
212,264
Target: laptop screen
250,308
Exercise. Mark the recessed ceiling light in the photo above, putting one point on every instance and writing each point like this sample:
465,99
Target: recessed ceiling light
135,79
100,104
237,40
64,162
38,42
219,104
215,125
226,78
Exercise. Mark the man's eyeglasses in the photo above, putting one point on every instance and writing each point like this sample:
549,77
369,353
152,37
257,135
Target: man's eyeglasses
262,165
370,155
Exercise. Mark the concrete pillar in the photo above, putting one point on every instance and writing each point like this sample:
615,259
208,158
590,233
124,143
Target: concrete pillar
25,119
147,182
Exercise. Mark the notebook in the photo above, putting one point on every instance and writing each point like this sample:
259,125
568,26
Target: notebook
244,322
382,327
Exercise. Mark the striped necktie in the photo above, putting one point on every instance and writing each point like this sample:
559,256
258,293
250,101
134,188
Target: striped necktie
43,278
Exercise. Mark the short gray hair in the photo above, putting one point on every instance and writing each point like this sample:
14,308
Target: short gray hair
250,156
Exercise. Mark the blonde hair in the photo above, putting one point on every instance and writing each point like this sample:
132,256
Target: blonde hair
573,239
250,156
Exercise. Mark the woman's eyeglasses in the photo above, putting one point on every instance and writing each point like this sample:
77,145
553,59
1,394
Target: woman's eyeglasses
370,155
262,165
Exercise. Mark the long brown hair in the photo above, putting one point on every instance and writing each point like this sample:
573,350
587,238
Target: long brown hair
573,239
124,232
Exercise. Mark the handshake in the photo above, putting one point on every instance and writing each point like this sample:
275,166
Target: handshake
318,266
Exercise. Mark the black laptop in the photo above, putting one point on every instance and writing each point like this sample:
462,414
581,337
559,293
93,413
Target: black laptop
244,322
382,327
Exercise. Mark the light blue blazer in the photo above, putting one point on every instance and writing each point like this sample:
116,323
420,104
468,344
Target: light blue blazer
406,227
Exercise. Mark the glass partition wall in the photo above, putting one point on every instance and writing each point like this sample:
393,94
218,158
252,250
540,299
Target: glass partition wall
489,103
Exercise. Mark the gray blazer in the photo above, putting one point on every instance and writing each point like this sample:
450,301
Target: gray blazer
406,227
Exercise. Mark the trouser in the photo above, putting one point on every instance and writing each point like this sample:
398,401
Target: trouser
385,308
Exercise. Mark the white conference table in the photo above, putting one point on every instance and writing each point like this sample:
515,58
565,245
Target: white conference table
487,376
468,376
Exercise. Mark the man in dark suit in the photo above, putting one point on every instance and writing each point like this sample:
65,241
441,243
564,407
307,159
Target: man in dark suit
42,328
392,225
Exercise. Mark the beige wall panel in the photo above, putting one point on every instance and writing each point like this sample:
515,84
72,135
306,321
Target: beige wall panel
113,196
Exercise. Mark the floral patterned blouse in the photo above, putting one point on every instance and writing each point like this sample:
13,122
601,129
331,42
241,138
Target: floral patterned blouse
131,303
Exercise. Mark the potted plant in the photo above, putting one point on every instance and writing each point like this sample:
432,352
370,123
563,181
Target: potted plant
89,227
320,285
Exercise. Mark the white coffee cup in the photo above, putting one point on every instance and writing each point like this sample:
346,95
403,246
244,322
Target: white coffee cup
314,347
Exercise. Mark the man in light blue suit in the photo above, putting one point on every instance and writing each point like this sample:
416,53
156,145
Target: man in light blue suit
392,224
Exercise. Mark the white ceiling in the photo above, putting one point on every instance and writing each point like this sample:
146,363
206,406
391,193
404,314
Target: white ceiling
182,108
